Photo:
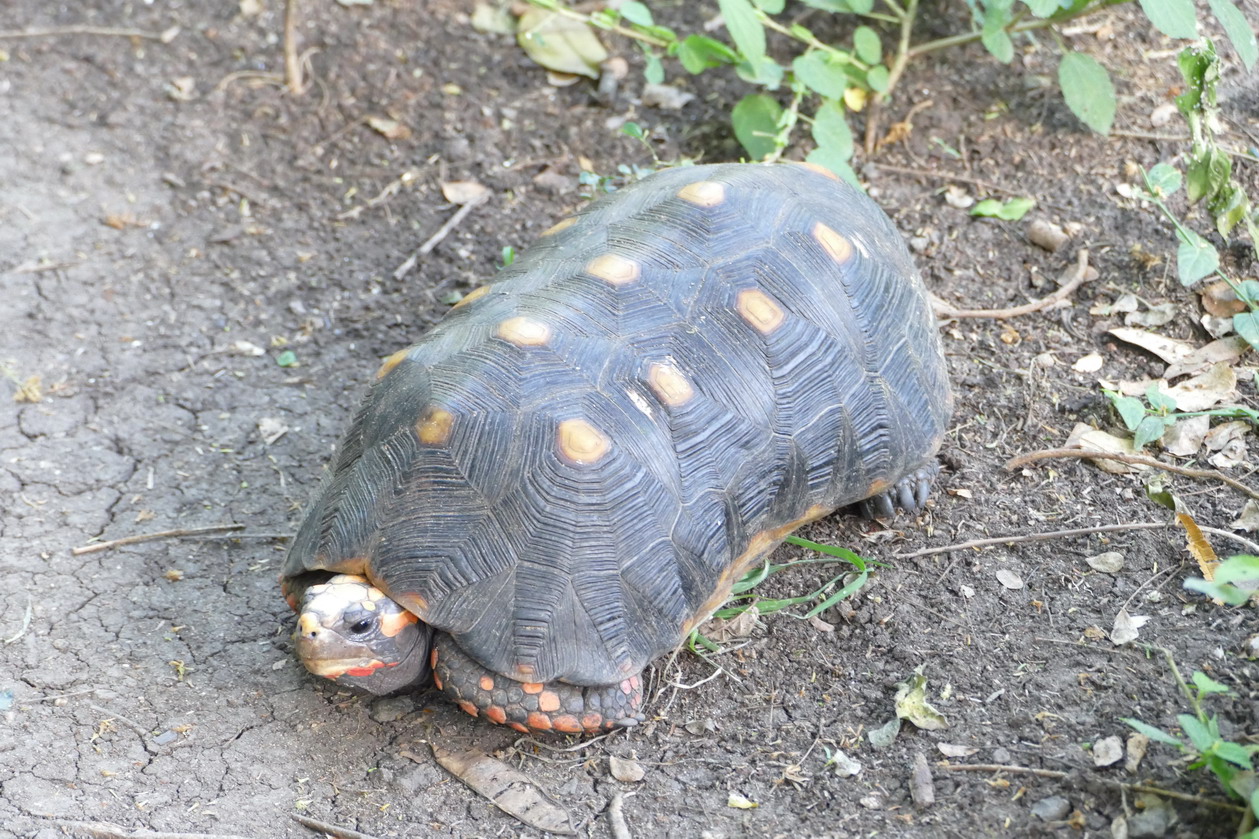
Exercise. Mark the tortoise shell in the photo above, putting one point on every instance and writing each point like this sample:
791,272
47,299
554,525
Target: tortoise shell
571,469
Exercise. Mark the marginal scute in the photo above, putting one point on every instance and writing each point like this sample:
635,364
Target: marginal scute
476,294
391,362
836,245
580,442
434,426
756,307
614,268
670,386
703,193
524,332
819,168
562,224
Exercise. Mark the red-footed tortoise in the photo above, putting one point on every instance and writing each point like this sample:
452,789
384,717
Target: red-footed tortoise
568,473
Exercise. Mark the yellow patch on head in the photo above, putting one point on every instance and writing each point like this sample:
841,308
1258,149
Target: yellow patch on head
580,442
562,224
613,268
434,426
524,332
668,383
756,307
836,245
392,362
476,294
394,622
703,193
819,168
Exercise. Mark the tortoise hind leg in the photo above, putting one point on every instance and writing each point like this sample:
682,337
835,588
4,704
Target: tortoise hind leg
554,706
909,493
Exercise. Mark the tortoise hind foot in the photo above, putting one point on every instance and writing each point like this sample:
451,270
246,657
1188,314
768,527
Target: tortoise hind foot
910,493
530,707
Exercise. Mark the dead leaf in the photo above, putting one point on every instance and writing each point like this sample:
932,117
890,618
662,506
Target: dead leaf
464,192
30,391
1184,437
956,196
1248,520
1110,562
922,789
1137,745
741,625
845,766
885,735
739,802
1108,751
1086,437
1126,627
182,89
1009,579
1168,349
955,750
560,43
821,625
1229,444
1090,363
1226,350
1094,633
509,790
665,97
493,18
625,770
1219,300
1158,315
390,129
271,429
1205,390
1126,302
911,704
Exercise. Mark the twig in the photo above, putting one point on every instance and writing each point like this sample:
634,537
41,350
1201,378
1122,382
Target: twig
946,310
442,232
1059,775
154,537
104,830
947,176
907,16
1138,459
26,620
330,829
617,825
292,60
143,732
1080,645
165,36
1035,537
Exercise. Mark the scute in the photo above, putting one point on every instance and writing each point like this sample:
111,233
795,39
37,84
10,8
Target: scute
812,373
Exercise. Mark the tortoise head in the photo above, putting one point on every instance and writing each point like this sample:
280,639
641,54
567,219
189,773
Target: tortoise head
351,632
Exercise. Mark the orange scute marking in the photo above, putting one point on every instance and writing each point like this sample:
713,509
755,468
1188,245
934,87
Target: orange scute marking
487,683
538,722
496,714
670,386
581,443
703,193
476,294
524,332
567,723
817,167
549,700
592,721
836,245
613,268
532,687
562,224
434,426
469,707
756,307
392,362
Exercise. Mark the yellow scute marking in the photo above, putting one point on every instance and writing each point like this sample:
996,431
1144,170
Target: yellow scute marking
562,224
580,442
817,167
670,386
434,426
524,332
836,245
703,193
476,294
614,268
756,307
392,362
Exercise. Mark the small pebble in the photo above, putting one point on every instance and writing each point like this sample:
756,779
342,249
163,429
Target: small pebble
165,738
1046,234
392,708
1052,809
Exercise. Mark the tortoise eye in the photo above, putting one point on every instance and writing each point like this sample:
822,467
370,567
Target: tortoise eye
362,627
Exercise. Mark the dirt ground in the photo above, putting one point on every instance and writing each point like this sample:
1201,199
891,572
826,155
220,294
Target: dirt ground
171,223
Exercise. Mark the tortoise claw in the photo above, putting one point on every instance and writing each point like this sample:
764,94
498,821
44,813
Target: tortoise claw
910,494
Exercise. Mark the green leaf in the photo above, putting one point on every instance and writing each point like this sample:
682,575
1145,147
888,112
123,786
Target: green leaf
1011,210
772,7
766,72
1246,325
820,75
1223,592
653,68
1196,258
1042,8
994,36
1206,684
831,130
636,13
1234,753
1159,400
1087,89
745,30
1130,409
288,358
1208,173
1163,179
698,53
878,78
861,7
1174,18
559,43
1248,292
1148,430
1156,734
1229,208
838,164
868,46
755,121
1238,30
1197,732
1238,568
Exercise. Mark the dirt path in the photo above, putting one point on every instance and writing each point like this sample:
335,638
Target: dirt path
171,224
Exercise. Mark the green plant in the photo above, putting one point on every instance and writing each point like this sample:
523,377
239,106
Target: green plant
1149,419
1243,568
1230,762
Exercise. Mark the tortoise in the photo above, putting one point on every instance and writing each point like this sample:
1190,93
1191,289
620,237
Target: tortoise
570,470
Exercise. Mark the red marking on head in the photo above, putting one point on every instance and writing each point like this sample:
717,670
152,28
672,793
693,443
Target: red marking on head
549,700
538,722
469,707
369,669
496,714
531,687
487,683
566,723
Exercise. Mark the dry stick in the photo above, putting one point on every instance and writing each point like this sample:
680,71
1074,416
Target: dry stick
945,176
617,825
54,31
1034,537
292,61
153,537
1058,775
330,829
104,830
444,231
945,310
1138,459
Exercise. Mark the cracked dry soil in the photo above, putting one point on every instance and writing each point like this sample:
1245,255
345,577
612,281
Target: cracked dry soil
170,222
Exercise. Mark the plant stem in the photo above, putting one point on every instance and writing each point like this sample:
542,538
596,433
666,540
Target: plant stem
552,6
1012,28
841,56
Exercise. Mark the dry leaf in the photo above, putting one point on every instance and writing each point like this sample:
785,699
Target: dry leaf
1108,751
560,43
1047,235
1154,316
955,750
1126,627
625,770
739,802
390,129
922,789
509,790
845,766
665,97
464,192
30,391
1220,301
1205,390
956,196
271,429
1199,546
1227,350
1108,563
1168,349
1127,302
1185,436
1090,363
1086,437
912,705
1137,744
1248,520
1009,579
740,626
